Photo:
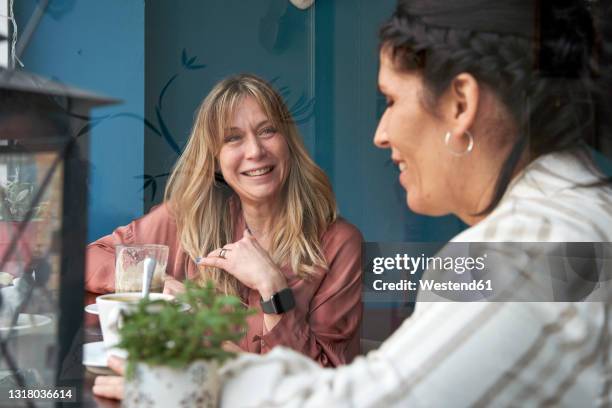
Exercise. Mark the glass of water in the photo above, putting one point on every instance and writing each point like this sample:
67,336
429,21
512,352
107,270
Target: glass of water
129,266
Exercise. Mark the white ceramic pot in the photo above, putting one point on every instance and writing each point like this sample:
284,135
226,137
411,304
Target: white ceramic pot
196,385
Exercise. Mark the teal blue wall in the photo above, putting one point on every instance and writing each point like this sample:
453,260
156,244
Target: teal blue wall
99,45
365,180
192,45
324,59
328,53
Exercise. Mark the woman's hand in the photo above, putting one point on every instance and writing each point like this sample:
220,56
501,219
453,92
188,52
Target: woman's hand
248,262
111,386
173,287
231,347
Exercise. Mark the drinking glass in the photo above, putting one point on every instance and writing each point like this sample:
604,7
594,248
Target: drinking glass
129,266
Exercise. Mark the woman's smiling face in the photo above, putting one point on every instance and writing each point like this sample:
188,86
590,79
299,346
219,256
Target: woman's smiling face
415,137
254,157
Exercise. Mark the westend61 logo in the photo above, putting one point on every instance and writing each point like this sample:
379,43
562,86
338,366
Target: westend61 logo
411,264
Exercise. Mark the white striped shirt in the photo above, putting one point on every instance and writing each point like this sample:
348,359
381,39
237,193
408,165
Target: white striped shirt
473,354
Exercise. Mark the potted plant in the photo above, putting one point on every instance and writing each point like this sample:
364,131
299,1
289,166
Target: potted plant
174,355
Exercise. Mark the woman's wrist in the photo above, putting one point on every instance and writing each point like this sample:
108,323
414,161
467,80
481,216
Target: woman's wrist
275,283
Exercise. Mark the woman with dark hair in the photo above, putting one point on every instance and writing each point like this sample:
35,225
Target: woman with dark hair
491,104
503,88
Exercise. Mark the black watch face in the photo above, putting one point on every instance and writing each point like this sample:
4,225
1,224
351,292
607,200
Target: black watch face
280,302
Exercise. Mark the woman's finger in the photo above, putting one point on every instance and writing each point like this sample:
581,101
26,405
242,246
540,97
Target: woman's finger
213,254
108,380
173,287
214,261
109,387
231,347
217,252
116,364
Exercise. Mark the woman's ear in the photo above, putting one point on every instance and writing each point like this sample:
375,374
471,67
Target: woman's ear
461,103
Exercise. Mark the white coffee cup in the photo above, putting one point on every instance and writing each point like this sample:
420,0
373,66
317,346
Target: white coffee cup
110,307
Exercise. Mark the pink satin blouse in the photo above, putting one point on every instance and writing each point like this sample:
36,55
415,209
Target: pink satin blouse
325,322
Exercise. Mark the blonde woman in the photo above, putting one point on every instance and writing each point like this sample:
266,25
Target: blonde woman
247,208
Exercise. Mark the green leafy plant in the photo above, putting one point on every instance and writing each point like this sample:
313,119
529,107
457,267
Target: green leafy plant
158,332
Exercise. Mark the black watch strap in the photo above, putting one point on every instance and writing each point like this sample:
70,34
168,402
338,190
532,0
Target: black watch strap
280,302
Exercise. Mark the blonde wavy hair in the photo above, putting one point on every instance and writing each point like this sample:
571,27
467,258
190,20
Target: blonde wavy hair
204,207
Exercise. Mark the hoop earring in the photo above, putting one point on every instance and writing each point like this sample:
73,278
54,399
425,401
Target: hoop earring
469,148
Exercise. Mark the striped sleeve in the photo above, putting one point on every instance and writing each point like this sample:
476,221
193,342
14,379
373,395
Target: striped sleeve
431,361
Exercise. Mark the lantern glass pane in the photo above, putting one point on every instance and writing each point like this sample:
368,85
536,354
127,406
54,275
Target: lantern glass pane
31,191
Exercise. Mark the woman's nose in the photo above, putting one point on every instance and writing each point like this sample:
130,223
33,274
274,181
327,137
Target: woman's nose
381,139
255,148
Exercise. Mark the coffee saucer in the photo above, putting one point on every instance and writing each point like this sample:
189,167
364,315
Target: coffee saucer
95,358
93,308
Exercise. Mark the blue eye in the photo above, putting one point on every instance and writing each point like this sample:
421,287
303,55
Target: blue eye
268,131
231,138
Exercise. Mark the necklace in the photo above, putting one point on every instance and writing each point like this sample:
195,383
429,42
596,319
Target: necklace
254,233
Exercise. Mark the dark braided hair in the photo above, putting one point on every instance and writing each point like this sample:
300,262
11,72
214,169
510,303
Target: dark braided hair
541,72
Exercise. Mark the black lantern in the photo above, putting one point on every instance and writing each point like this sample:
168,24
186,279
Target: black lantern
43,219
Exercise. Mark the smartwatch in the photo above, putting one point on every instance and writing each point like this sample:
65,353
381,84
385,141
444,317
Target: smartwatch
279,303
